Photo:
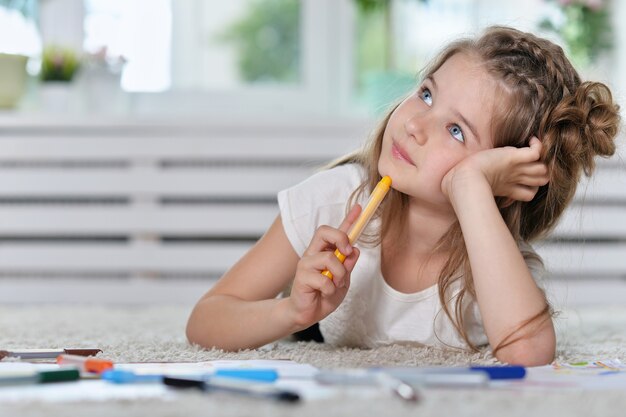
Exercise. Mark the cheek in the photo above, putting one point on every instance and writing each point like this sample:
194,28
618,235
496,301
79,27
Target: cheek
382,160
440,164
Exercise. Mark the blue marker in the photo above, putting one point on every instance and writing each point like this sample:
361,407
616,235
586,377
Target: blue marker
259,375
493,372
502,372
120,376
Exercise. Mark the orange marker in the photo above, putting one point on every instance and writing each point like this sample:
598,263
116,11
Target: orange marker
87,364
378,194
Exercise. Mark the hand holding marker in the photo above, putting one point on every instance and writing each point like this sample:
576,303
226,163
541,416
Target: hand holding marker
378,194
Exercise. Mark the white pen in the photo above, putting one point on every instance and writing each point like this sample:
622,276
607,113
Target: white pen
362,377
459,378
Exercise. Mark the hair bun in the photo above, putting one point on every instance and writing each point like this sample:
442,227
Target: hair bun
599,121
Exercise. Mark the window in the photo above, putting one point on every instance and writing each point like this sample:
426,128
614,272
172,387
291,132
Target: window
399,38
262,58
18,31
254,56
119,29
197,44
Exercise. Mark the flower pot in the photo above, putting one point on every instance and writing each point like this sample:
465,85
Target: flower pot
12,80
55,96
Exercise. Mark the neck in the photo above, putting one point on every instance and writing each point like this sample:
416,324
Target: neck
425,225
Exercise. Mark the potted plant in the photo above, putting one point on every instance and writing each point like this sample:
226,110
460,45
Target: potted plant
59,66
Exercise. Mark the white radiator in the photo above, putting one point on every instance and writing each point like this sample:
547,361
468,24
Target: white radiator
114,201
95,201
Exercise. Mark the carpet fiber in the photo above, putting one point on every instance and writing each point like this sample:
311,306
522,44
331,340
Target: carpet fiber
147,334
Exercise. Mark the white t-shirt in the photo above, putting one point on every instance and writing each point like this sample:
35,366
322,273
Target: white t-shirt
373,313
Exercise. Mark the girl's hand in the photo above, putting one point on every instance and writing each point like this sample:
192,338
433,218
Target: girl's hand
313,295
515,173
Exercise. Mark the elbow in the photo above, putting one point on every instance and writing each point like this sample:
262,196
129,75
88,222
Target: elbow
536,350
200,335
196,333
526,354
193,333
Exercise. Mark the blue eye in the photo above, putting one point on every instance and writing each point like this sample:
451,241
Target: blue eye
426,96
456,132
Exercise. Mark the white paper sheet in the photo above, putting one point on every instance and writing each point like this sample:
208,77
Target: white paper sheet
609,374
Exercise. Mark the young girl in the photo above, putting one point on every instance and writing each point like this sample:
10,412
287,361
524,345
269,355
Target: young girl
484,157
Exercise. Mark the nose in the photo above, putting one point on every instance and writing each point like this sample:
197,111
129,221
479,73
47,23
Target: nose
415,128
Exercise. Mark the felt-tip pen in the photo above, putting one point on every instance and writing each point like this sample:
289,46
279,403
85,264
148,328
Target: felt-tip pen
40,377
234,386
377,196
87,364
122,376
27,354
494,372
351,377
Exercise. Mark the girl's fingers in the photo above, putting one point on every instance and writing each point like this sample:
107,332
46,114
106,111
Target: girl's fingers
326,261
537,181
535,144
531,153
327,237
532,181
524,193
351,260
351,217
534,174
319,282
536,168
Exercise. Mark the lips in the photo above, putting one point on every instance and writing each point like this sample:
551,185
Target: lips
399,153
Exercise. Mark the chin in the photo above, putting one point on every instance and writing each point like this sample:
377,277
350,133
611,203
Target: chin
385,168
391,171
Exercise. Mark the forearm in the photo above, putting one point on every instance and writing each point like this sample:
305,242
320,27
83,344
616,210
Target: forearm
506,292
230,323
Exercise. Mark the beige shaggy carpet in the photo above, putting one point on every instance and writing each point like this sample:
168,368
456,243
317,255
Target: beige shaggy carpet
148,334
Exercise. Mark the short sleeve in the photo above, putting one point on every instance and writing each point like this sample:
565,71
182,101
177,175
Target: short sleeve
534,263
319,200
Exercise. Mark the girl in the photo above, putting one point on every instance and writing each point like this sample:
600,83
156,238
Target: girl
484,157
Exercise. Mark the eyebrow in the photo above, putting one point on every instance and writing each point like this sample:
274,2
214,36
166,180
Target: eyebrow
457,113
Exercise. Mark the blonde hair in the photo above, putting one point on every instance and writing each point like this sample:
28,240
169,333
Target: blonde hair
544,97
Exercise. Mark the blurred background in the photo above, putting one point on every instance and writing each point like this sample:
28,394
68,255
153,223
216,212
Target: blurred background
142,142
254,58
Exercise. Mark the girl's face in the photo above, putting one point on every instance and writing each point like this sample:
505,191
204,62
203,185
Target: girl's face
445,121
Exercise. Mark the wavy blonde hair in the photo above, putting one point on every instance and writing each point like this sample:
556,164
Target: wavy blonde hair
544,97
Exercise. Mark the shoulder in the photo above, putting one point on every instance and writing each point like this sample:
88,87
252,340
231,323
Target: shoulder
325,184
325,187
320,199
